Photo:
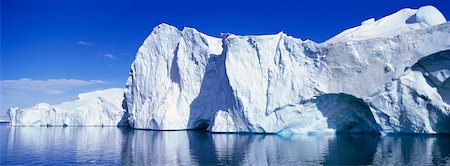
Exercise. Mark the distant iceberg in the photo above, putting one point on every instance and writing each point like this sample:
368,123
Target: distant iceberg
98,108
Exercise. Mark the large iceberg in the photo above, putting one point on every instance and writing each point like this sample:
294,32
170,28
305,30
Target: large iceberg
386,76
364,79
98,108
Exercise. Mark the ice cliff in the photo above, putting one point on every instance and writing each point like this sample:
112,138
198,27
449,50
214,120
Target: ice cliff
389,75
366,79
98,108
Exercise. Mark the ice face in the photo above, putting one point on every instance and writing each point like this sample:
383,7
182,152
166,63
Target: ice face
417,101
284,84
174,82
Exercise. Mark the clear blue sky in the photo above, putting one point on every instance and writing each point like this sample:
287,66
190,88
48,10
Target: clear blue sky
86,40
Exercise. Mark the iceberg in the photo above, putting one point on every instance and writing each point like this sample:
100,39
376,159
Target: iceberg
98,108
4,120
385,76
279,84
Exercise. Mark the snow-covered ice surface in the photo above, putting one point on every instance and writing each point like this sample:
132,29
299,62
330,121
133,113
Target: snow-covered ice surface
365,79
392,25
98,108
429,16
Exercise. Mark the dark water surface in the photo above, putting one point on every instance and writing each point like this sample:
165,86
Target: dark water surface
117,146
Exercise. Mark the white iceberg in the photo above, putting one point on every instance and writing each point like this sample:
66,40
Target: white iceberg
98,108
389,75
280,84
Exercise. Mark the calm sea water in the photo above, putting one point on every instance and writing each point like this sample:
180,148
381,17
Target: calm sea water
118,146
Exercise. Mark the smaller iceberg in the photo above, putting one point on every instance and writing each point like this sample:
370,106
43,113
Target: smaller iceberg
98,108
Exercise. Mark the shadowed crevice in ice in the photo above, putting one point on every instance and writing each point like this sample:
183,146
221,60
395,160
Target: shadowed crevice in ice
436,70
207,99
342,113
440,121
124,121
411,20
174,69
215,94
444,90
346,113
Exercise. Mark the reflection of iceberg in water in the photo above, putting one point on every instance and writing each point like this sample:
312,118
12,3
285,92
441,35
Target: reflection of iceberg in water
351,148
195,147
122,146
149,147
52,145
415,150
202,148
270,149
